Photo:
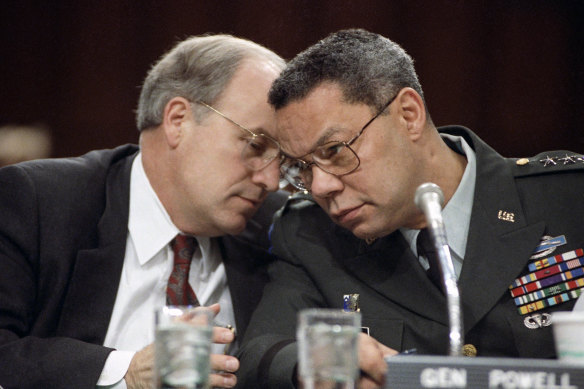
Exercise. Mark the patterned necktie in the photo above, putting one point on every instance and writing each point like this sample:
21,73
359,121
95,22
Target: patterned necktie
426,248
178,290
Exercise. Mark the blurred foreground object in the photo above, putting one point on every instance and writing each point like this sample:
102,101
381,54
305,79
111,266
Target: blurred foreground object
23,143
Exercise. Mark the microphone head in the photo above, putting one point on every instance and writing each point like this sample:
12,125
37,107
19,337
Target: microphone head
428,188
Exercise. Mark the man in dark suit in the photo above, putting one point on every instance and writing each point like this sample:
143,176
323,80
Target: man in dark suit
85,243
353,124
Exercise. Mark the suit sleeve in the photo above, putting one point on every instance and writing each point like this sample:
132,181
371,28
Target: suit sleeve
269,353
30,355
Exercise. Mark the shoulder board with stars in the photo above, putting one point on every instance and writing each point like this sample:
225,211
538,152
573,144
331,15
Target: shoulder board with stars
548,162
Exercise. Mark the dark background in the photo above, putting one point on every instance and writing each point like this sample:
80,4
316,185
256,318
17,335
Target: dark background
513,71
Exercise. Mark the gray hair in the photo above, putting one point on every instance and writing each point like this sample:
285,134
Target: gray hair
198,69
368,67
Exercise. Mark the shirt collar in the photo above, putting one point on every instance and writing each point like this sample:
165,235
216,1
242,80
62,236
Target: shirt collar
149,224
456,214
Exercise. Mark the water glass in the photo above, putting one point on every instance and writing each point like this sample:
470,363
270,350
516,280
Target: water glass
328,348
182,346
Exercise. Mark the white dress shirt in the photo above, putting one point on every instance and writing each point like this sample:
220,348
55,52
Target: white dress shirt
147,266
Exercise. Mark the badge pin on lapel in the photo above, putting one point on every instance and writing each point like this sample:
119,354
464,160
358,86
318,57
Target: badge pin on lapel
351,304
506,216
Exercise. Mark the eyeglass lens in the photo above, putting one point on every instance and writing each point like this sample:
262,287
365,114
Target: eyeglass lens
259,151
334,157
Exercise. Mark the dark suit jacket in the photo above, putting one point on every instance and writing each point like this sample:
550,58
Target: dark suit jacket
63,229
320,262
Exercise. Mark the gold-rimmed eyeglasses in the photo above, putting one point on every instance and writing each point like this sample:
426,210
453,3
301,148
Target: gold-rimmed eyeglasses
260,149
334,157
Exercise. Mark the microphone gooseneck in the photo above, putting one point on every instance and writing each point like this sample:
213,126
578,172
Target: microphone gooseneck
429,198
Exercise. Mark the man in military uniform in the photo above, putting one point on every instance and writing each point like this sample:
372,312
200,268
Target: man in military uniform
359,140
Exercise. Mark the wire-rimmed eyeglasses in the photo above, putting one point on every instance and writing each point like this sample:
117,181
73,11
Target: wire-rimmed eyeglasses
334,157
260,149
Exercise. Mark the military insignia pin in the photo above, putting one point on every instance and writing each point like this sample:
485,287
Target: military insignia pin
538,320
547,245
351,302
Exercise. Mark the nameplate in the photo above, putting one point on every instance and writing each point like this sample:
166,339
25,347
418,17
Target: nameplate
443,372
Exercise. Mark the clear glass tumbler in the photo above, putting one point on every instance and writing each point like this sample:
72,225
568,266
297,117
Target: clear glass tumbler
328,348
182,346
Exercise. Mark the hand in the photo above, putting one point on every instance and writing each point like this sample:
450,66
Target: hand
222,366
371,362
140,374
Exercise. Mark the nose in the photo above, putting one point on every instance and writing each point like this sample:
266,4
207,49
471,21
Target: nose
324,184
268,177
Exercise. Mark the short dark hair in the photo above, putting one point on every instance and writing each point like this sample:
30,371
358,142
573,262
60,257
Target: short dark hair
368,67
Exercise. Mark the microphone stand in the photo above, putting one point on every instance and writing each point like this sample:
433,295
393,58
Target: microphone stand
433,212
451,289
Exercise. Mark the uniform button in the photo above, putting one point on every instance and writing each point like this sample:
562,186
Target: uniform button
469,350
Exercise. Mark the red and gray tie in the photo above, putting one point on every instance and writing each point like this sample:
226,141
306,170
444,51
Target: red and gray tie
178,290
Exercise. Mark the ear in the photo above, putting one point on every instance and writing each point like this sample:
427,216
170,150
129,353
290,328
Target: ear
176,114
412,111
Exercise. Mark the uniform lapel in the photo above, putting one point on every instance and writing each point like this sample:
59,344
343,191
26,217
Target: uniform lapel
500,239
95,279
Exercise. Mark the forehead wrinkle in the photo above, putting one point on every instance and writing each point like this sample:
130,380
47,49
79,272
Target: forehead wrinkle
324,138
310,119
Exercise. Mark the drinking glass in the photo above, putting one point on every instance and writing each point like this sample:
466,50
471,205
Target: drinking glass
182,346
328,348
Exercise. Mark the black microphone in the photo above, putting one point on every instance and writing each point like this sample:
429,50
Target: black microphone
429,198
